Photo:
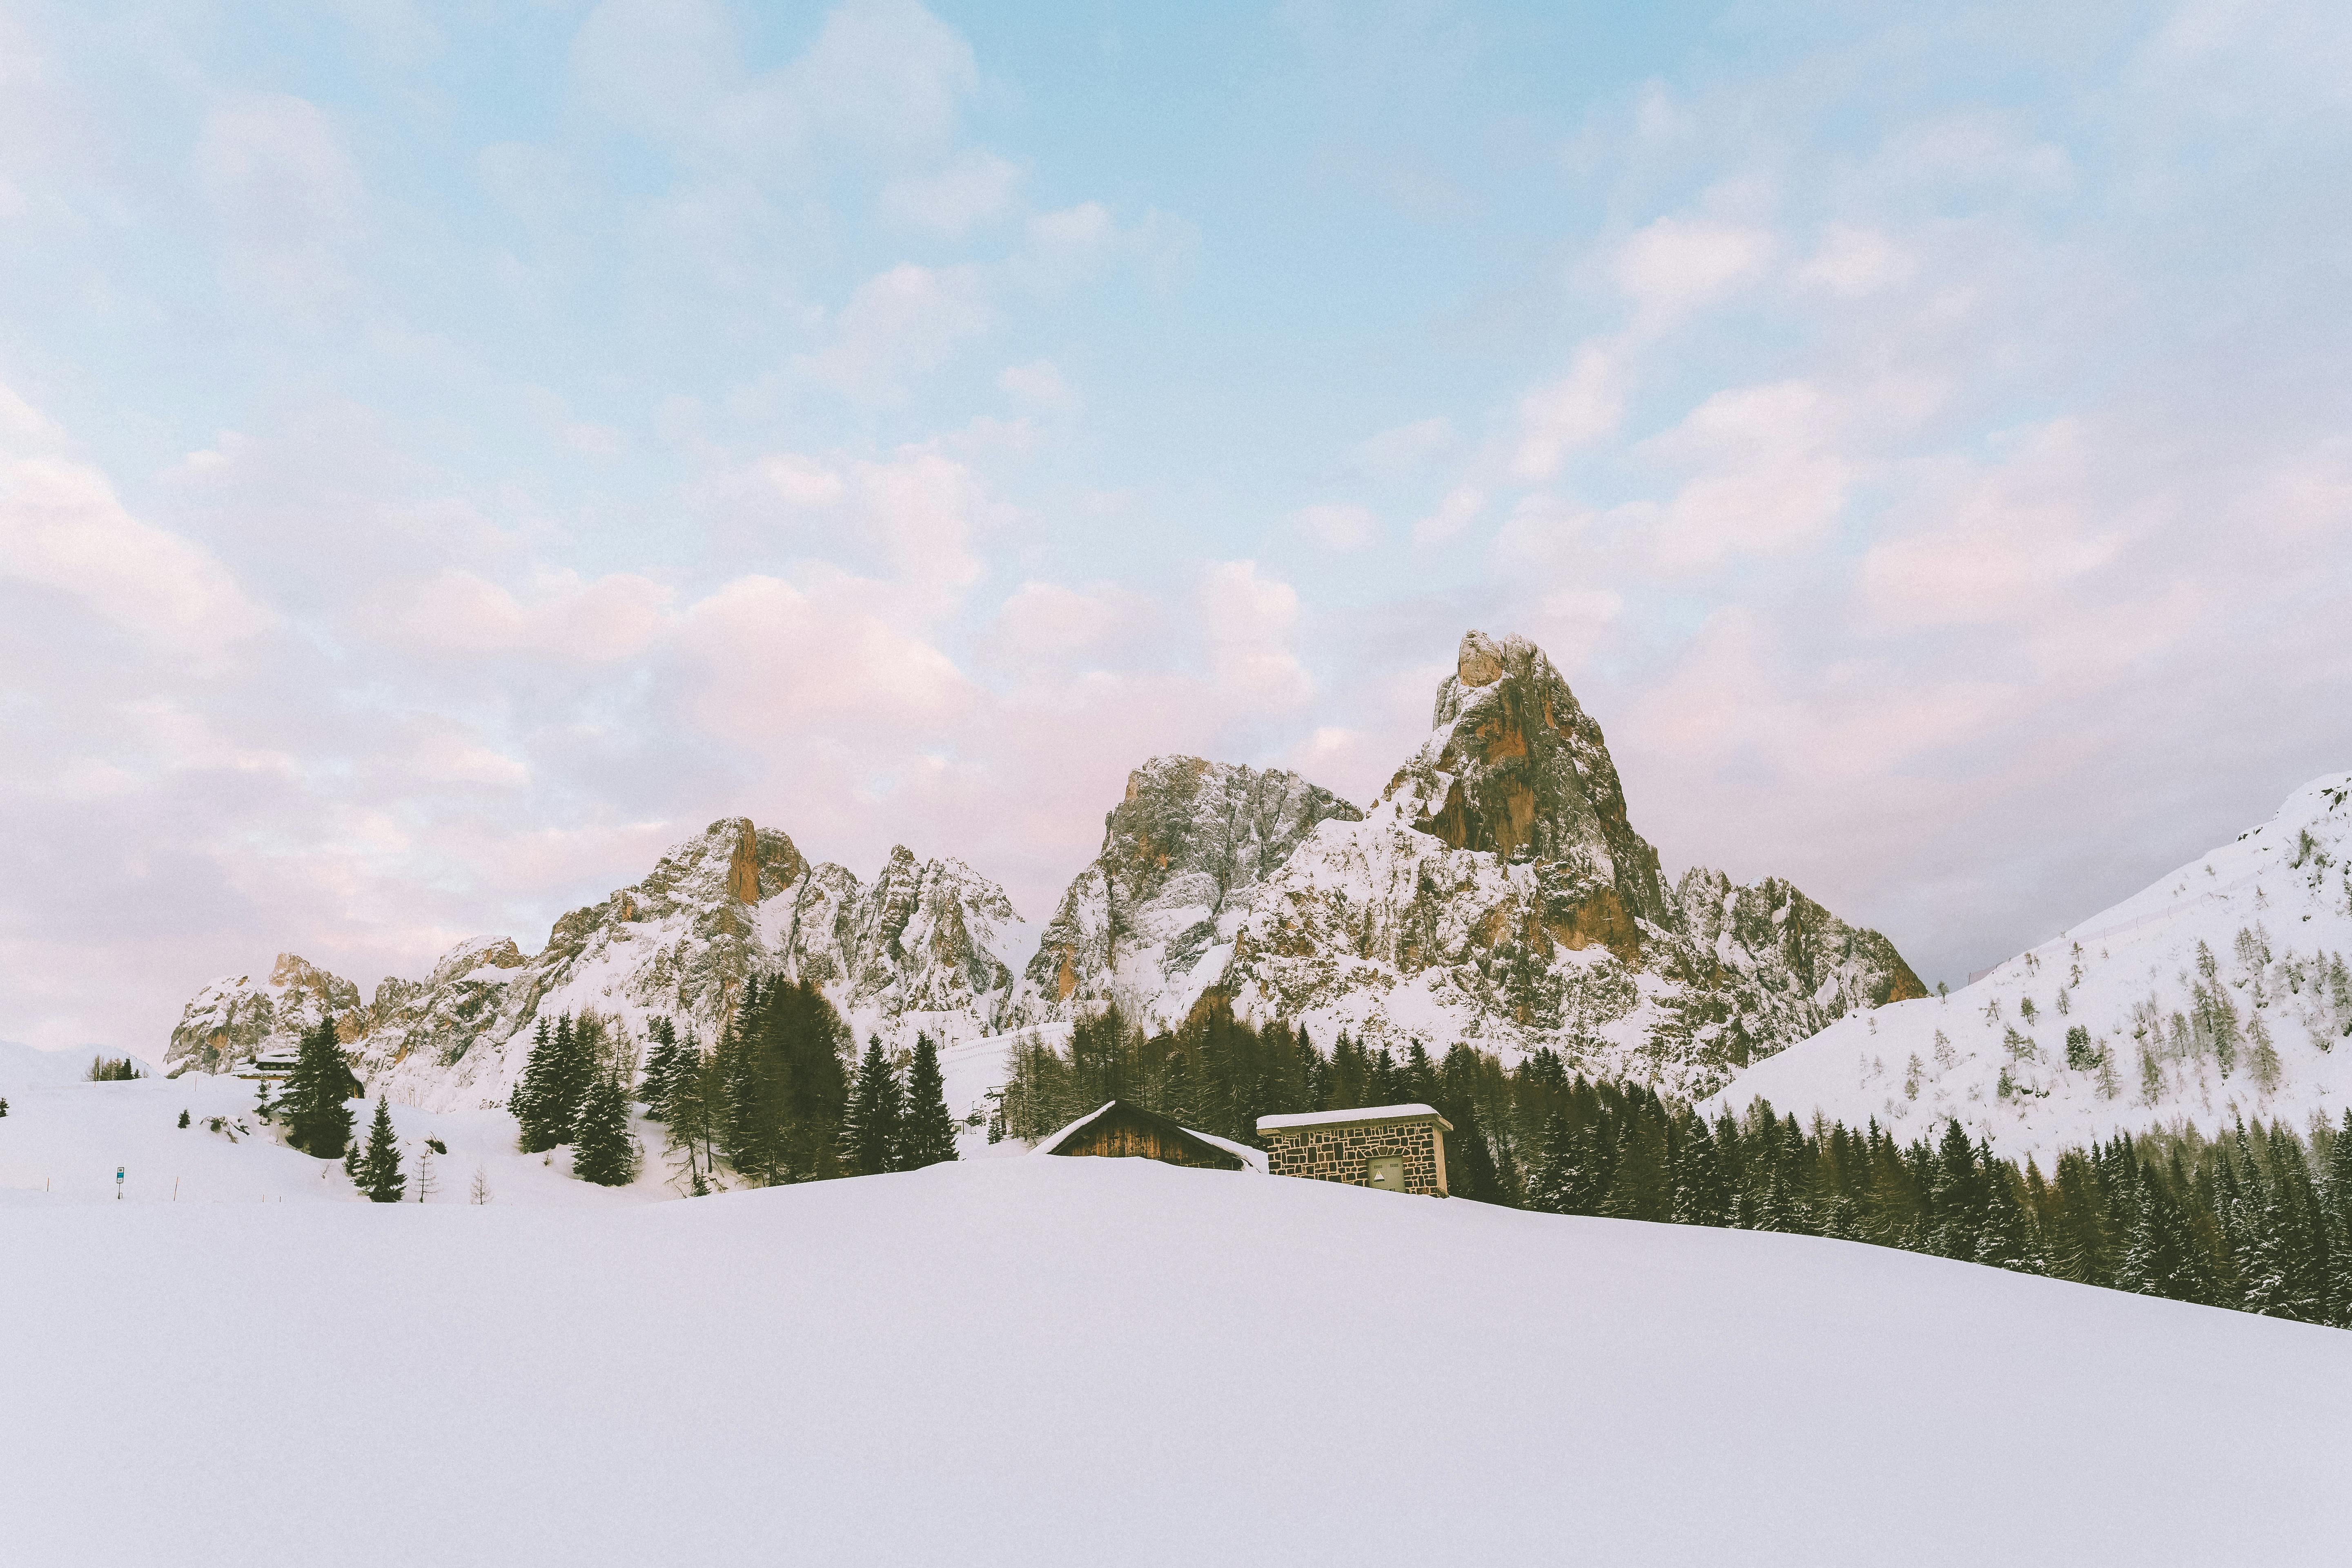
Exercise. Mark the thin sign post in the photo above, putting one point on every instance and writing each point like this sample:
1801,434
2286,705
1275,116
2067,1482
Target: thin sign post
118,1183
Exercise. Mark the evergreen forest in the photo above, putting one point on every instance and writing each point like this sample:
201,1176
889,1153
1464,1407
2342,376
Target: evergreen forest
2259,1220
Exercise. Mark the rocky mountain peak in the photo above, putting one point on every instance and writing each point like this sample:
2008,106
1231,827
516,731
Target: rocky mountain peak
1151,916
1515,767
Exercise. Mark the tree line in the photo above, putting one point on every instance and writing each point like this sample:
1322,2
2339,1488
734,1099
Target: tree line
2259,1219
784,1096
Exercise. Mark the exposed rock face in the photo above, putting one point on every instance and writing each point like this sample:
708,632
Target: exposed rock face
1516,768
237,1017
931,945
1151,921
1497,893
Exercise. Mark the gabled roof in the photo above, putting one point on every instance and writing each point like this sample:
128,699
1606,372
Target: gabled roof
1203,1142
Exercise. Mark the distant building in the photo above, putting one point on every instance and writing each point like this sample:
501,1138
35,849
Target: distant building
272,1065
1397,1148
1124,1131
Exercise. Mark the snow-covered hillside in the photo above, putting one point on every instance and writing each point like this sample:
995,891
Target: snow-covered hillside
2223,990
62,1142
1046,1361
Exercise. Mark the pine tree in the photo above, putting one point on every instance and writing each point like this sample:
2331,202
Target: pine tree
184,1118
870,1135
317,1116
686,1111
2161,1258
555,1078
530,1090
568,1084
2007,1240
662,1063
929,1135
379,1174
602,1151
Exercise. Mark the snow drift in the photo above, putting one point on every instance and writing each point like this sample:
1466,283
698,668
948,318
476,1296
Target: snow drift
1061,1361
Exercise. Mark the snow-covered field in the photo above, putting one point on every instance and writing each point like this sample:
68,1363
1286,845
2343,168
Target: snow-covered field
1044,1360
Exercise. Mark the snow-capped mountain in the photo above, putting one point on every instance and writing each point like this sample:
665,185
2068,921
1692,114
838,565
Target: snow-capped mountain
1498,893
2223,990
928,944
1150,921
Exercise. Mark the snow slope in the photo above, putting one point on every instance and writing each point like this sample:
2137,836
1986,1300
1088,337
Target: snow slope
23,1065
1048,1360
2270,913
61,1143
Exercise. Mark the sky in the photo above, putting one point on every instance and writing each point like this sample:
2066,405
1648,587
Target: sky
450,453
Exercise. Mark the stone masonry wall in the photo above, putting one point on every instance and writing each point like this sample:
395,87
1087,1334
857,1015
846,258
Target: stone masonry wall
1338,1152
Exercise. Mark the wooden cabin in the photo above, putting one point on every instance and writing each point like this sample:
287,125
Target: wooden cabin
1121,1130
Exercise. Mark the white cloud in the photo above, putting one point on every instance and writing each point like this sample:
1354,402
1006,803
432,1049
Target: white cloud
1772,479
1337,525
1855,261
1066,247
62,528
802,481
2003,544
1247,622
952,201
1453,514
1046,624
1039,381
288,192
1675,265
775,665
558,615
884,81
1406,446
920,508
898,324
1581,407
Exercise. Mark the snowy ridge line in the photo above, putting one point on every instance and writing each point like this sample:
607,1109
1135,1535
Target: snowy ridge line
2164,1010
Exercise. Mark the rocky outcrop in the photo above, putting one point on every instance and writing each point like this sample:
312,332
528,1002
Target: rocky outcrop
1150,921
930,945
238,1017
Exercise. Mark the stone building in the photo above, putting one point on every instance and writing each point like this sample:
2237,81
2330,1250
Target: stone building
1397,1148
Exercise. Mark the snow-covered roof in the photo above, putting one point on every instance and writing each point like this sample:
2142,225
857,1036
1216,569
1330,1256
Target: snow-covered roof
1251,1159
1361,1113
1053,1141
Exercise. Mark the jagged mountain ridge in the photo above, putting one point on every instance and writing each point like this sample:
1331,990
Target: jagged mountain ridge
928,944
2223,990
1497,892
